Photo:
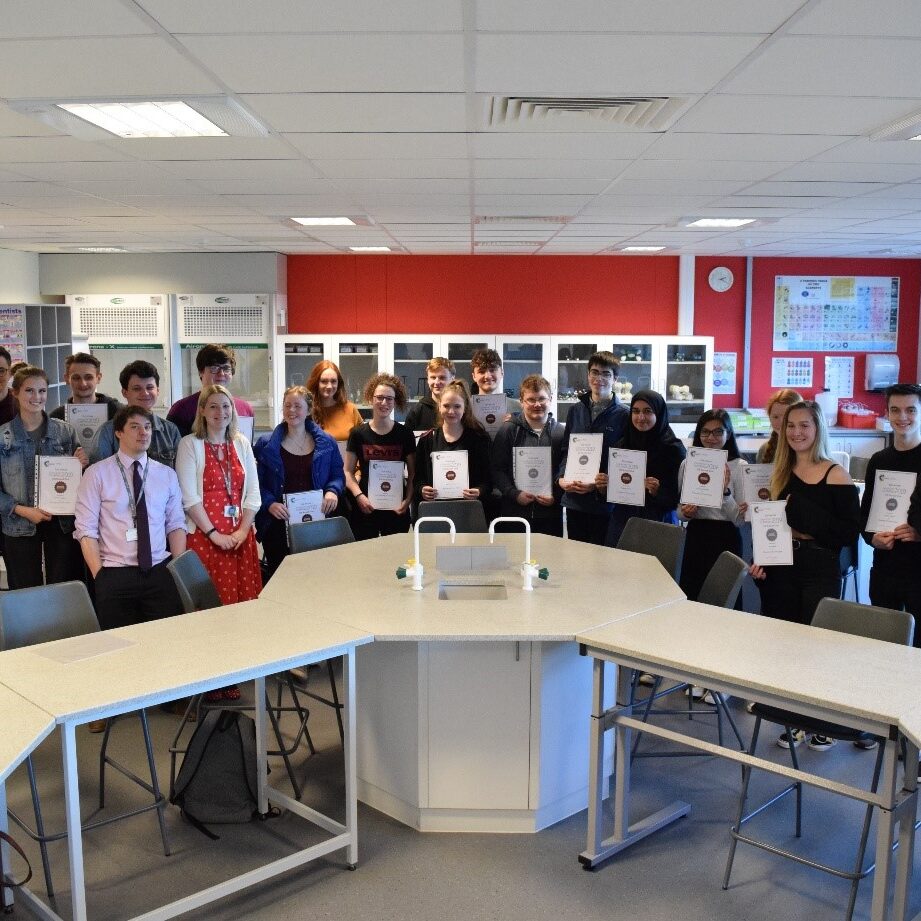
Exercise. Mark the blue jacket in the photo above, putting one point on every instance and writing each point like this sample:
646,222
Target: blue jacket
327,469
612,423
17,470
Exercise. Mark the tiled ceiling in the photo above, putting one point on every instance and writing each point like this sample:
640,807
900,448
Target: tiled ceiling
379,110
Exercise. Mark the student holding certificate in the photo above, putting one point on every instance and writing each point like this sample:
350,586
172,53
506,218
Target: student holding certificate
298,456
822,511
886,520
597,411
458,430
527,450
710,531
29,531
379,442
649,431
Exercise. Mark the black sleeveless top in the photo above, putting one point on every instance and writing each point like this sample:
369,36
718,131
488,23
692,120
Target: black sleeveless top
829,512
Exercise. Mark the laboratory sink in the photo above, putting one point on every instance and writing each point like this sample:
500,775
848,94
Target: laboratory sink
471,591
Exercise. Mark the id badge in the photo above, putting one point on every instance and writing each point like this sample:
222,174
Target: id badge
131,535
231,511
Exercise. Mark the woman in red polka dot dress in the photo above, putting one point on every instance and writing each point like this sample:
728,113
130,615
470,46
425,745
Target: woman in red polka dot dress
220,494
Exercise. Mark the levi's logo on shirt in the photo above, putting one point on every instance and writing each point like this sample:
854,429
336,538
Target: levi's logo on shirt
382,452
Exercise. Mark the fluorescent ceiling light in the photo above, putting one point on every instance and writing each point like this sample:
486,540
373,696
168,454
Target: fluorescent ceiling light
101,249
642,249
370,249
324,221
917,137
721,222
146,119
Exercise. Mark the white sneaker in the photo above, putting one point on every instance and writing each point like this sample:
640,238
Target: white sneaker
750,706
799,737
820,743
647,680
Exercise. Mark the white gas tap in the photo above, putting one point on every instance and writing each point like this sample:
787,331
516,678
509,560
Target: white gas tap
529,568
414,566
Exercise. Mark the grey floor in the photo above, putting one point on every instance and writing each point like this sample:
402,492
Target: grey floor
403,874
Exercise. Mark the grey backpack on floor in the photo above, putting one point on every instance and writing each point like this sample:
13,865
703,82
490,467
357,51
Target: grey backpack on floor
216,784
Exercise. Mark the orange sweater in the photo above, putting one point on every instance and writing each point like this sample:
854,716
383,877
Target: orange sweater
341,421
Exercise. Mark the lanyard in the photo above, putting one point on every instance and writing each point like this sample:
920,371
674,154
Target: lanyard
132,501
226,472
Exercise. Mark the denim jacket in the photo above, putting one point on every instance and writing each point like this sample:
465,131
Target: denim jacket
17,470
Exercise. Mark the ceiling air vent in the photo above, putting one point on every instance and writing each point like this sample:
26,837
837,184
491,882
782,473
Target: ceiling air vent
626,113
521,219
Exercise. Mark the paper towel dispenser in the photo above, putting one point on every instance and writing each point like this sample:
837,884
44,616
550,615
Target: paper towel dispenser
882,371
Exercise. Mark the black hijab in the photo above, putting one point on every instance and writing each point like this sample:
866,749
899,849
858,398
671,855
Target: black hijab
658,437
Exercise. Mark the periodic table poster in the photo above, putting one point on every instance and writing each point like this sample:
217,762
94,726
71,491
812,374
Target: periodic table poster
838,313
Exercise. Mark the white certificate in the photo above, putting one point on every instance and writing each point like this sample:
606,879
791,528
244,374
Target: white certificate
305,506
584,458
86,418
245,426
704,477
490,409
532,471
772,537
56,482
385,484
892,491
756,480
626,476
450,474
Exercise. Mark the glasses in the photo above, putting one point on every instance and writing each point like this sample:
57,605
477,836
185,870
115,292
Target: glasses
539,401
382,399
712,433
605,375
4,370
641,412
220,369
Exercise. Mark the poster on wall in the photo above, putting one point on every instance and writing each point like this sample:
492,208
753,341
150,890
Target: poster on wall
791,372
837,313
724,372
839,375
13,331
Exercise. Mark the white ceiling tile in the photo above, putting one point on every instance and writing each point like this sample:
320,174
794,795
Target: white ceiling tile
382,145
124,188
703,188
294,171
43,18
333,63
856,17
605,65
69,69
798,115
263,186
599,172
822,171
849,67
864,150
360,112
70,171
288,16
404,189
710,16
726,170
756,147
540,186
824,189
12,124
393,169
53,149
530,204
558,145
220,148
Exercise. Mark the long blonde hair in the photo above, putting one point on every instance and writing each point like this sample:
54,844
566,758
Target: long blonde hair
786,456
785,397
199,426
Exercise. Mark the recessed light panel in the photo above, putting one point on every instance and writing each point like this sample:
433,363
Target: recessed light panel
370,249
324,221
168,119
721,222
642,249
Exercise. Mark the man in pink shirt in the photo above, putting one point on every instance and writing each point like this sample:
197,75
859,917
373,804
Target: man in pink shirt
130,523
216,364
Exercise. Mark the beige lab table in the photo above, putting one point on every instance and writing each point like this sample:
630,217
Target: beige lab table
179,657
25,727
782,664
473,713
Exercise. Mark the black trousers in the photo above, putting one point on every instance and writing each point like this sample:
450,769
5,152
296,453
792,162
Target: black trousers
590,529
900,591
794,592
705,540
62,555
125,595
378,524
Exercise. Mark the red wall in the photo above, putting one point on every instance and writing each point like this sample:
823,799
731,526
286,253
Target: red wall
476,294
909,271
722,316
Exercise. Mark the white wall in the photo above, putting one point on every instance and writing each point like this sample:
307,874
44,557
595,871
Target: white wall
163,273
19,273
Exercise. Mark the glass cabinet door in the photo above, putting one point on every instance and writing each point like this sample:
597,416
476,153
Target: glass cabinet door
358,359
409,364
636,368
460,350
571,372
687,367
520,358
300,359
